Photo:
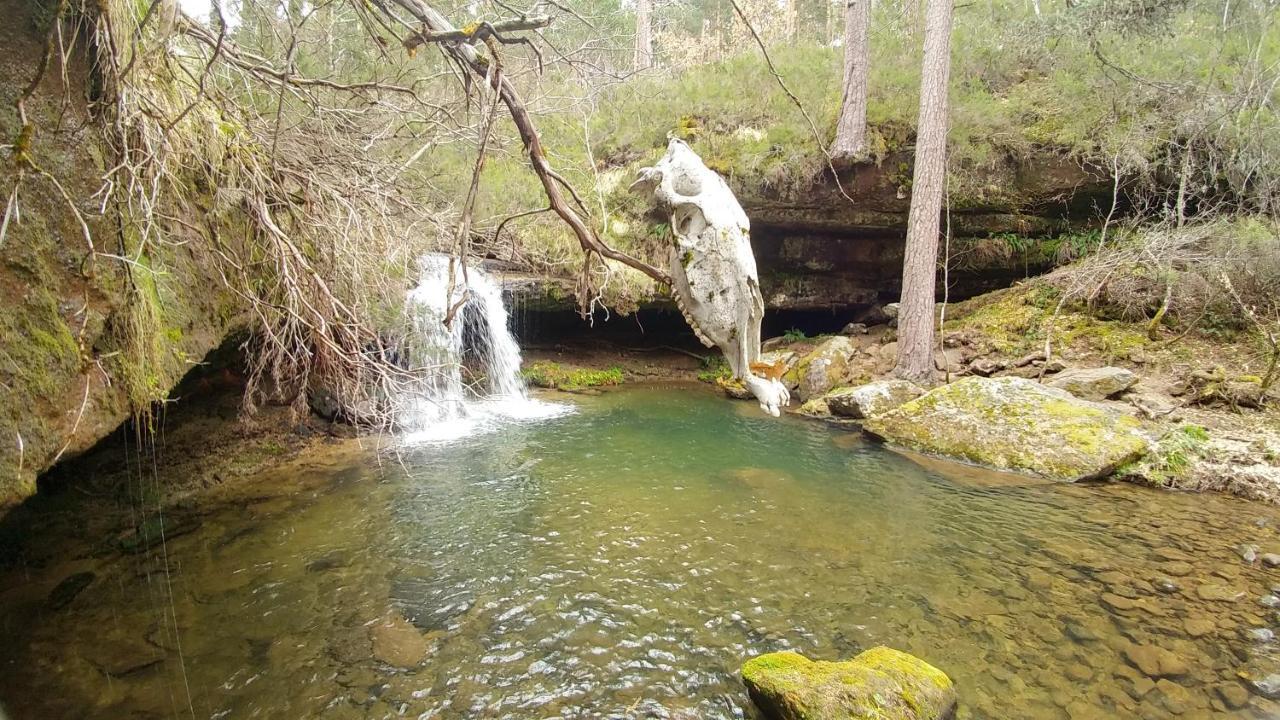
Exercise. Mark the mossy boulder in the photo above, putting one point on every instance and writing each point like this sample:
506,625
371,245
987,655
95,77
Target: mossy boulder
1014,424
872,399
824,368
881,683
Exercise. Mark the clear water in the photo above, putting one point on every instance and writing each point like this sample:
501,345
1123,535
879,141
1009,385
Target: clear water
622,561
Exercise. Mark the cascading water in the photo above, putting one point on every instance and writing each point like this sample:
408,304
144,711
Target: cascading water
443,406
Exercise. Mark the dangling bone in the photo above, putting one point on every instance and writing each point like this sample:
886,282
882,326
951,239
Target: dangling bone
713,271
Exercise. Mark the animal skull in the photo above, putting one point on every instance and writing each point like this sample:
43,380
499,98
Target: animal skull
713,271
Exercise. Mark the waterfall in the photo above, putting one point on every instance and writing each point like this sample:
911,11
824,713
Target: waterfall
468,368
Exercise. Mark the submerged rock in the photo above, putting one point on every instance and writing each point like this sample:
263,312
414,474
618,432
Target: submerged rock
872,399
881,683
1095,383
1014,424
67,590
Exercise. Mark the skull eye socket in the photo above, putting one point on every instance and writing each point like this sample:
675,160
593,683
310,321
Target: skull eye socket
688,220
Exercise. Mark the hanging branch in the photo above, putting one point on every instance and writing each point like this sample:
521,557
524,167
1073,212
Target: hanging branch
463,52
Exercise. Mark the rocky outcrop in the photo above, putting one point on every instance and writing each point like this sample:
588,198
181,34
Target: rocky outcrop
818,250
872,399
881,683
1014,424
83,340
1095,383
825,367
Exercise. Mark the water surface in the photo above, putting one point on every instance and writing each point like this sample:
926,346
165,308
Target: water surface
622,561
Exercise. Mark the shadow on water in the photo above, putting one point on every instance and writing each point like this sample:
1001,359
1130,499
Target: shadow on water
623,561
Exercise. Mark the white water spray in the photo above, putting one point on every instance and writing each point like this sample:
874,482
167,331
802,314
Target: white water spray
443,406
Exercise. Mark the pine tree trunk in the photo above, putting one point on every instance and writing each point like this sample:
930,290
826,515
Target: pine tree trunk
851,128
916,313
644,35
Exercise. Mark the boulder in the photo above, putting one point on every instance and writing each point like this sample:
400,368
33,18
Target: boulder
880,683
1014,424
872,399
1095,383
986,366
822,369
854,328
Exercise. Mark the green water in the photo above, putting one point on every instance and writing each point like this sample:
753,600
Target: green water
623,561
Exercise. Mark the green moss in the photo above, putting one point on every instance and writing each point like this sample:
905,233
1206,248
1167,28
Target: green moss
714,369
879,684
549,374
1012,424
1172,458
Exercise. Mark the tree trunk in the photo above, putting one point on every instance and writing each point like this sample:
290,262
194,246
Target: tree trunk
851,128
915,316
644,35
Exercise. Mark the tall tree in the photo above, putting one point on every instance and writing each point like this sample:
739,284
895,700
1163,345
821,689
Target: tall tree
644,34
851,128
916,313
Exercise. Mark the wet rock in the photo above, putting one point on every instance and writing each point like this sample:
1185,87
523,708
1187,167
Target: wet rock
1248,553
119,657
815,408
1079,672
881,683
67,590
1165,585
325,563
1119,602
1232,695
1139,687
1260,635
1171,553
1198,626
1268,686
1175,698
872,399
1155,661
1218,593
1270,559
1095,383
1014,424
1177,568
1080,632
397,642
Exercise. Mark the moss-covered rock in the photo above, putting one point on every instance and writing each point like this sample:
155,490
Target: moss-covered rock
872,399
824,368
1014,424
548,374
880,684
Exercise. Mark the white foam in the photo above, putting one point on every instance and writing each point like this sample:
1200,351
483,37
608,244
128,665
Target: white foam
441,408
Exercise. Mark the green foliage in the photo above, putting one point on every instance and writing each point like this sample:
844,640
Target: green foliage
1172,457
714,368
548,374
793,335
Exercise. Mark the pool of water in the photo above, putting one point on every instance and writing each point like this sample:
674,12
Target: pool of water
622,561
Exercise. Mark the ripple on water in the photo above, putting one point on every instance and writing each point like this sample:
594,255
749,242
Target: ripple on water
624,560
